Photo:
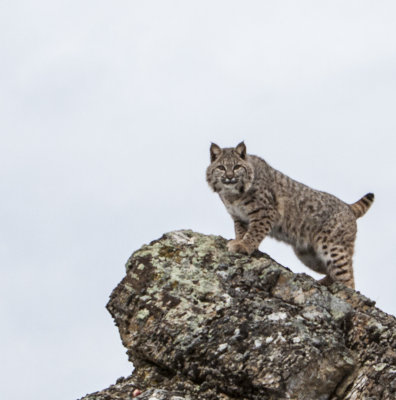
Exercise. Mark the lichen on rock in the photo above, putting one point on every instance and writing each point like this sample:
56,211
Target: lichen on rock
202,323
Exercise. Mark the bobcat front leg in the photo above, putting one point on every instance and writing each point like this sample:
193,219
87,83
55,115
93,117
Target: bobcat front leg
240,229
259,227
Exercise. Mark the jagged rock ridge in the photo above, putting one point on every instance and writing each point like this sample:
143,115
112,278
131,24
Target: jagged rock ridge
202,323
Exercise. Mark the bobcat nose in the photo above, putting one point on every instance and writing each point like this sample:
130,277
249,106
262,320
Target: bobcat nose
229,175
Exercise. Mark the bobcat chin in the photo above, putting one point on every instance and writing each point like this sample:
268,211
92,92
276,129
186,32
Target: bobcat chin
262,201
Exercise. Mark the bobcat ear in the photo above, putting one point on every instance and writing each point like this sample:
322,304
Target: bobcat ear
214,152
241,150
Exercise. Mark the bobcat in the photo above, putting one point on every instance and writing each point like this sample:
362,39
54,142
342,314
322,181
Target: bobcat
262,201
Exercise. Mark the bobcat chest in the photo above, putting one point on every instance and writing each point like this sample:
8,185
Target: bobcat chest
237,212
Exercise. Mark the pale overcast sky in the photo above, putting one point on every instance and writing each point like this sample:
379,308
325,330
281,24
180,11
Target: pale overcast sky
107,111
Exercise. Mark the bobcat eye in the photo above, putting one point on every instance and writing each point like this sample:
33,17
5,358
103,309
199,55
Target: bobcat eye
221,167
237,167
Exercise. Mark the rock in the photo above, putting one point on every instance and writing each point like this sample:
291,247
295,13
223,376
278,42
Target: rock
202,323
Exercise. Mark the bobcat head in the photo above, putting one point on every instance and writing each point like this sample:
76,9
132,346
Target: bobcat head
230,170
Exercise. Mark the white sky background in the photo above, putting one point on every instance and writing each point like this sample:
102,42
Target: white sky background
107,111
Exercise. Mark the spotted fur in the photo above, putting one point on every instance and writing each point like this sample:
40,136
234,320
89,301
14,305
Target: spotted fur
262,201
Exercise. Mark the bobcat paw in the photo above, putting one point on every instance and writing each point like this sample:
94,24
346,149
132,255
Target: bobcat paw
236,246
326,281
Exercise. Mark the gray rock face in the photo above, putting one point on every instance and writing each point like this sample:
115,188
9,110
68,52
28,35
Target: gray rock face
202,323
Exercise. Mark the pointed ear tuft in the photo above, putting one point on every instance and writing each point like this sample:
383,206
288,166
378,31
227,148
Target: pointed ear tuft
241,150
214,152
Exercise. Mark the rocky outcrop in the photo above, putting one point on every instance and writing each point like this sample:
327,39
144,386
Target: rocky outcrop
202,323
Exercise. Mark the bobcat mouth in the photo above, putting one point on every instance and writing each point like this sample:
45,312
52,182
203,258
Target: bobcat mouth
229,181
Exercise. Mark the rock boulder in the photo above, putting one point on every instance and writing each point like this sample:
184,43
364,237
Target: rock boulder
199,322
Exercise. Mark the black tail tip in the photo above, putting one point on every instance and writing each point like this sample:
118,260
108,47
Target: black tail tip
370,196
